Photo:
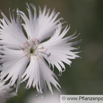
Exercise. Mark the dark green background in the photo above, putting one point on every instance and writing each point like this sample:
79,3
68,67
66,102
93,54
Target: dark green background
85,76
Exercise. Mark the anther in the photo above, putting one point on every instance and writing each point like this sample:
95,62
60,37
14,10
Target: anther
46,54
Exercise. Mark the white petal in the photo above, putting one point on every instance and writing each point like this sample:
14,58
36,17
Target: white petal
11,32
60,48
39,74
14,64
40,27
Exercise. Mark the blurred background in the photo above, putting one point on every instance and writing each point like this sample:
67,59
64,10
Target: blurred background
85,76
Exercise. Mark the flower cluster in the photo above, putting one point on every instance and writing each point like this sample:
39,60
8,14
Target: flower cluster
31,44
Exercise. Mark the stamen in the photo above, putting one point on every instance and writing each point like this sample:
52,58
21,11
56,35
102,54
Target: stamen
26,43
21,47
38,41
41,48
46,54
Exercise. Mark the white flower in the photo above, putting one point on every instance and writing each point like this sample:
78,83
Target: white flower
23,53
5,92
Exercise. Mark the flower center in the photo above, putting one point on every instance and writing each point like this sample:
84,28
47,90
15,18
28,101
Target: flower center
30,47
33,48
